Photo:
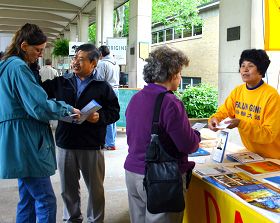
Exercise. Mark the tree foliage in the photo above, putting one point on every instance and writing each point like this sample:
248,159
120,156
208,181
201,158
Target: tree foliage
92,33
179,13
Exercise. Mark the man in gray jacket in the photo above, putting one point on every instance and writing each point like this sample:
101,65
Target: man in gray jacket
108,70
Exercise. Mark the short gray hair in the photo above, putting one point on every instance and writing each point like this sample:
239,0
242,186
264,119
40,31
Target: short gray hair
163,63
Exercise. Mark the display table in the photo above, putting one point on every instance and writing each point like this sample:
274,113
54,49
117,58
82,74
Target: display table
206,203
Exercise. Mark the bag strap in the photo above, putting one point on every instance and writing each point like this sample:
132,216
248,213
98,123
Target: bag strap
159,99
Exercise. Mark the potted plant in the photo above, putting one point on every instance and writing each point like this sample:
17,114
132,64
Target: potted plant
61,48
200,101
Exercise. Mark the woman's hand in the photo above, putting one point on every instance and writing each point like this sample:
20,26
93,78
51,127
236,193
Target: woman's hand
233,123
213,123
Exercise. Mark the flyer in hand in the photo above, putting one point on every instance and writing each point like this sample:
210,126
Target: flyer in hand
90,108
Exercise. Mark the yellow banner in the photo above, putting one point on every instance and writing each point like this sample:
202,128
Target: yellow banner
272,20
207,204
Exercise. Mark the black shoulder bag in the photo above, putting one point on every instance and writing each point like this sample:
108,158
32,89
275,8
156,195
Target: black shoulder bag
163,180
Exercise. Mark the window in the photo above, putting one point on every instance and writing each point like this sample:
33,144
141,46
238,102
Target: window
161,36
187,32
154,37
172,33
169,34
197,30
178,34
192,81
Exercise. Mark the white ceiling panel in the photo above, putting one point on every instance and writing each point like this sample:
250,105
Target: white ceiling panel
53,16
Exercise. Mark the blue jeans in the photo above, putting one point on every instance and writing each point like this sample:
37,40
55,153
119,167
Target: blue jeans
111,133
37,200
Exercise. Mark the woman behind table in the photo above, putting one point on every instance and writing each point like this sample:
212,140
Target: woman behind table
254,107
27,150
162,73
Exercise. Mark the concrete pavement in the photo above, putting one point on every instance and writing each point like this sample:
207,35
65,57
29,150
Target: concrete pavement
116,203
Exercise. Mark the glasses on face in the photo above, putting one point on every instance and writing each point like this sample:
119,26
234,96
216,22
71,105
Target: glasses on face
38,49
79,59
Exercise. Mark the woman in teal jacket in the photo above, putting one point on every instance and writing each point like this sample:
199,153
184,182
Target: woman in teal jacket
27,149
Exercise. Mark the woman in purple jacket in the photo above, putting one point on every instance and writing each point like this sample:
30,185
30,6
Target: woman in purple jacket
162,73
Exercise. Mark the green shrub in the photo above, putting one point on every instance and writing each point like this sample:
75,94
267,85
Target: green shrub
61,48
200,101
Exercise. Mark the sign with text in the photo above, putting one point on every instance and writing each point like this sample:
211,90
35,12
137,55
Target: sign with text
73,46
118,48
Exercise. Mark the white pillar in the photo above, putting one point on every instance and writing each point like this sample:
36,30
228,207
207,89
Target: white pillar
139,31
73,32
98,23
107,25
66,34
83,27
232,14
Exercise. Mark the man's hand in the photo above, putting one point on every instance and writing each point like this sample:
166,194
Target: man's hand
93,118
76,114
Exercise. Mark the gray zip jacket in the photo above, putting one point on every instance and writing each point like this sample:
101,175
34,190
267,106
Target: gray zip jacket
108,70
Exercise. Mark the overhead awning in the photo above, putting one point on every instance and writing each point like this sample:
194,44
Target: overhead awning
52,16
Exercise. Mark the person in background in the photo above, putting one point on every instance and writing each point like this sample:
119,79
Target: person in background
66,72
1,54
80,145
108,70
47,71
27,149
253,107
162,73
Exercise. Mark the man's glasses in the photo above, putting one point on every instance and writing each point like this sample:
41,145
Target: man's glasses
79,59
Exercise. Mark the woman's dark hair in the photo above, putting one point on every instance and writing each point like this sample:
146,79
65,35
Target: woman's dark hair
31,34
93,53
257,57
164,63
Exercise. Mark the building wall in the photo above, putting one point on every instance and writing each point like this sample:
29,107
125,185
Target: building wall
202,50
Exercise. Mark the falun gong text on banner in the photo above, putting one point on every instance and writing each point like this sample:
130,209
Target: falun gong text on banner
207,204
272,20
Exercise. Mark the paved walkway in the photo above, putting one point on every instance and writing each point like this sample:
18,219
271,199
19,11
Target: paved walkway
116,206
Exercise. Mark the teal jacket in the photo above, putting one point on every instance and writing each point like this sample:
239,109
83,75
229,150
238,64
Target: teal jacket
26,142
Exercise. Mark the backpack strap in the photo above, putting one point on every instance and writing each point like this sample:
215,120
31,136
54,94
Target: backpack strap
155,123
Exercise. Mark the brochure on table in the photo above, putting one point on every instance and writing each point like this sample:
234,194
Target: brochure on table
244,157
259,168
226,172
219,150
274,181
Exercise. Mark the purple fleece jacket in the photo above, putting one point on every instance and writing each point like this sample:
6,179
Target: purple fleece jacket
173,119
